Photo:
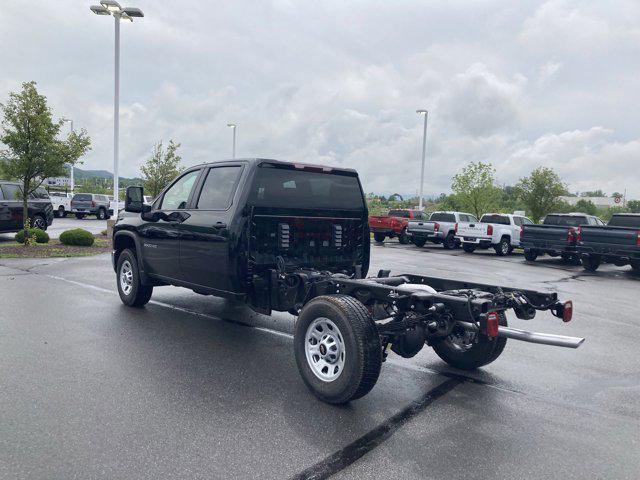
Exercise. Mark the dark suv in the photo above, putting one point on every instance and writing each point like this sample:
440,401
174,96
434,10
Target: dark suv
83,204
40,208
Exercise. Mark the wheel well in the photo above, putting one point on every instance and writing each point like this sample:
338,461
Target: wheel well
508,237
121,243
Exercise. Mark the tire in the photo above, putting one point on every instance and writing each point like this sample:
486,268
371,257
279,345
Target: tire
379,237
449,243
403,238
591,262
80,216
419,242
469,247
635,266
136,295
530,255
60,213
503,248
355,336
101,214
38,221
475,355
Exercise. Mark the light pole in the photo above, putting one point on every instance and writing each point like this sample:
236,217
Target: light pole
71,184
111,7
424,152
234,127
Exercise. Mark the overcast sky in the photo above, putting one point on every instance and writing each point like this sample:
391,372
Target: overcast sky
519,84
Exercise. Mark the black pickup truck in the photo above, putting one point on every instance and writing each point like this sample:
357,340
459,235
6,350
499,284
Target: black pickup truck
39,207
557,236
618,242
295,238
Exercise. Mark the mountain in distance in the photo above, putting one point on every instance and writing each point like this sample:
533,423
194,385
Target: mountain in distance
80,174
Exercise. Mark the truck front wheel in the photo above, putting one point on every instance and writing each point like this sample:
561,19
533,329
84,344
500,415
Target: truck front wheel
469,247
337,348
461,349
131,290
591,262
403,238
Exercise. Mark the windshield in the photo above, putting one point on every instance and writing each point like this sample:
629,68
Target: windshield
632,221
443,217
286,188
565,220
499,219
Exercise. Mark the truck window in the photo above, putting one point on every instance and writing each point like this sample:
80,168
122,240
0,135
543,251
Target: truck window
399,213
526,221
178,194
11,192
625,221
219,187
499,219
517,221
565,220
40,194
81,197
287,188
443,217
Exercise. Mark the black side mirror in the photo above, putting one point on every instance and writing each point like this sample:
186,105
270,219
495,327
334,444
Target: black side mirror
134,200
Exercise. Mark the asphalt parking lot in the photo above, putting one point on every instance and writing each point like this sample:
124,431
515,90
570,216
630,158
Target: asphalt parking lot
197,387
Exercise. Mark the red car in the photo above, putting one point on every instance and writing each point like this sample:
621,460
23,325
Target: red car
394,224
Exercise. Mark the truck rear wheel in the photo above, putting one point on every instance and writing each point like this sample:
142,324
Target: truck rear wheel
403,238
379,237
337,348
449,242
131,290
419,242
461,350
530,255
469,247
591,262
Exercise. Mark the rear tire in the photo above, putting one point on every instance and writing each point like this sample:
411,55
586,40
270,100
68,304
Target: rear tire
379,237
635,266
102,214
530,255
449,243
342,322
39,222
473,355
60,213
419,242
403,238
504,247
468,247
131,290
591,262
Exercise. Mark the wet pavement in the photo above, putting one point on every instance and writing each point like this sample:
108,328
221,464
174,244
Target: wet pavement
92,389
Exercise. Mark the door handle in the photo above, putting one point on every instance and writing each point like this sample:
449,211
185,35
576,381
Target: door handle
220,225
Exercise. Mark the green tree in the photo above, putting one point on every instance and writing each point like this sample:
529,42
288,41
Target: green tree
474,189
634,206
586,206
34,151
540,192
593,193
162,167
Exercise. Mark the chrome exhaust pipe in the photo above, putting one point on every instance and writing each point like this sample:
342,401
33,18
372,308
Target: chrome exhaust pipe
544,338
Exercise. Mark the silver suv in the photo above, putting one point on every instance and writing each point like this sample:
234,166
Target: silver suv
83,204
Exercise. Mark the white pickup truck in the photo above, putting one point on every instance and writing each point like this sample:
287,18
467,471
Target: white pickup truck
440,228
61,203
498,230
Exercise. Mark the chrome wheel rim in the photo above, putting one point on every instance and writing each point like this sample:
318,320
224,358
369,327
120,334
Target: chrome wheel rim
126,277
325,349
38,223
505,247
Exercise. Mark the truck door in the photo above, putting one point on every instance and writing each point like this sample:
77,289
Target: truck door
160,230
205,256
11,206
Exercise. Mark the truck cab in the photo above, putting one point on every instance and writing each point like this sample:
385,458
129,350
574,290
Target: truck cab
223,228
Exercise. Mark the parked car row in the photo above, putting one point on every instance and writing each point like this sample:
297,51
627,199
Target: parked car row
574,237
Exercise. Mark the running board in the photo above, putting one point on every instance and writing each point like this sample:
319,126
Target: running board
544,338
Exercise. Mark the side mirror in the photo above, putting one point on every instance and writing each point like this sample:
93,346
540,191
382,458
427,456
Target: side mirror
134,200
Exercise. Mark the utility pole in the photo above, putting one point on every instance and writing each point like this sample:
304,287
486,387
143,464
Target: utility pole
424,153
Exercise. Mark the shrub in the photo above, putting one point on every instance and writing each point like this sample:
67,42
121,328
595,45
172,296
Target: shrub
40,235
78,237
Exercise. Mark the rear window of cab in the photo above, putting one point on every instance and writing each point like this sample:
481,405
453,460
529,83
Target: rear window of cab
499,219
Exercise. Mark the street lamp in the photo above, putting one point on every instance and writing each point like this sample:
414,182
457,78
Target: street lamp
424,152
234,127
111,7
72,183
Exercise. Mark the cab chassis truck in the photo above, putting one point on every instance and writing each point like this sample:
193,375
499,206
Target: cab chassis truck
296,239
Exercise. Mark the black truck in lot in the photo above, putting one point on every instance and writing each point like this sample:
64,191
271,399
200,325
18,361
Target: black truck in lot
557,236
295,238
618,242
